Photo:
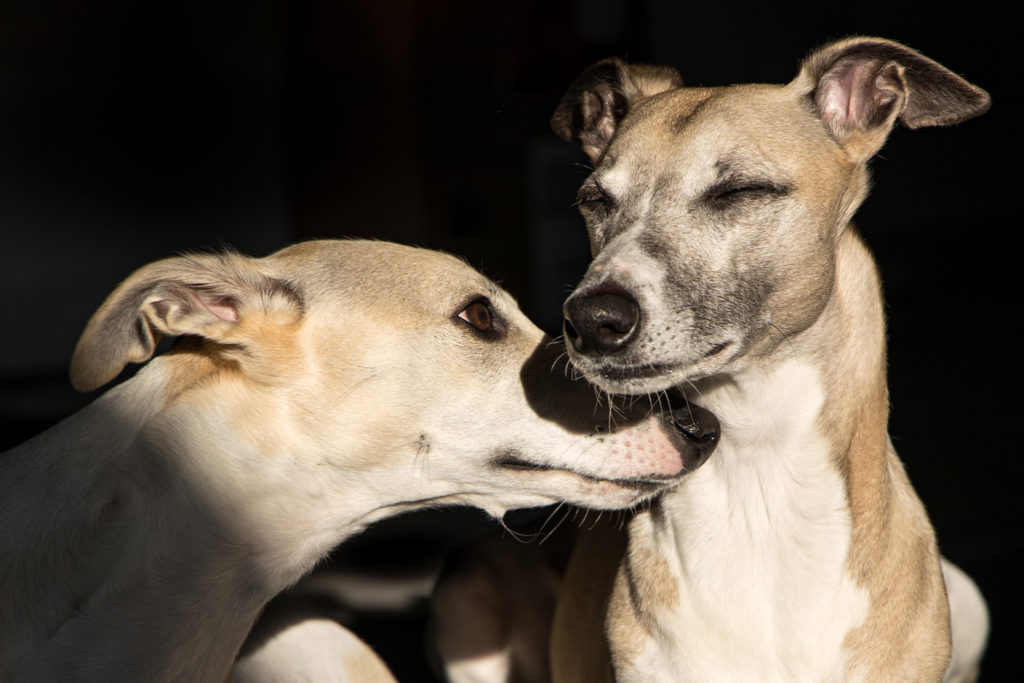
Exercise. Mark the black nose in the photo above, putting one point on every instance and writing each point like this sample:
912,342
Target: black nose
602,321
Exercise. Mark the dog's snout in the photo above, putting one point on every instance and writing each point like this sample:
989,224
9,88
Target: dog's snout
601,322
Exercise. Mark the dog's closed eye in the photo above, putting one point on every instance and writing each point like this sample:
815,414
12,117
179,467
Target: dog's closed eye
592,197
725,194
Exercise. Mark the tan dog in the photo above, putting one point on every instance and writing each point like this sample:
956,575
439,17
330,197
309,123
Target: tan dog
318,390
725,265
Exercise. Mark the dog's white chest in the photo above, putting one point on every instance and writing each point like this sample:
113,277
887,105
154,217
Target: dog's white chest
761,535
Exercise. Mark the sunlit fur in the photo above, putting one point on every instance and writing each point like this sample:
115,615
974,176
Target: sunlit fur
312,392
799,551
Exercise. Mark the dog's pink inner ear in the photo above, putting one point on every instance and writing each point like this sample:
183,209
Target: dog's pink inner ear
858,94
865,84
224,307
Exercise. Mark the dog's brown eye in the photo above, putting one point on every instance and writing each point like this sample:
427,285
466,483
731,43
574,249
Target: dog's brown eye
478,315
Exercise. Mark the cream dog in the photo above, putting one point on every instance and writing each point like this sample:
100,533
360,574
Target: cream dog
315,391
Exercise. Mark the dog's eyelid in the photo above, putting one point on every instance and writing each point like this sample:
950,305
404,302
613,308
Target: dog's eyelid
479,314
736,188
592,196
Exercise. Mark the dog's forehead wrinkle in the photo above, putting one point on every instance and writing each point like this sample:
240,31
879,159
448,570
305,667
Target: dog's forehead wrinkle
742,164
703,142
687,103
667,188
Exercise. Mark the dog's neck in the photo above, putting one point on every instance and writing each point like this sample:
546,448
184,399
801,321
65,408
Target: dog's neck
778,535
818,402
155,521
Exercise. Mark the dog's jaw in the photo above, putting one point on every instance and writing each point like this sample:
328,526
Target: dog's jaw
648,378
618,466
646,460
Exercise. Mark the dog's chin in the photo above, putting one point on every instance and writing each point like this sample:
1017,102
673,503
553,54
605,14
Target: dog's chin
586,490
628,376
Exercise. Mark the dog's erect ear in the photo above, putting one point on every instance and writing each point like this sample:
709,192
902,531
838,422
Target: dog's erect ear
207,295
590,110
860,86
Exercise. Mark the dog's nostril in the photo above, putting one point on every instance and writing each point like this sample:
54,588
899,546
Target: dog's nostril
602,322
571,335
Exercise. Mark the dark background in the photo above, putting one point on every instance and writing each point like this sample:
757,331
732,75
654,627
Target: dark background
131,131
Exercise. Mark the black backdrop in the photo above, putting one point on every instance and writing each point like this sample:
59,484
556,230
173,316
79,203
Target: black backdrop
132,131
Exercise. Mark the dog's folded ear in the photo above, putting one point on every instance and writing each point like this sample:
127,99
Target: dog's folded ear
208,295
861,86
592,107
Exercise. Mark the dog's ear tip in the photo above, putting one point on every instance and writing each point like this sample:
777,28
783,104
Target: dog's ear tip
960,101
84,387
85,373
84,381
861,86
561,123
981,102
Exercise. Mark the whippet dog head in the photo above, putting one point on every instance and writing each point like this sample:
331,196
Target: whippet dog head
714,214
311,393
387,361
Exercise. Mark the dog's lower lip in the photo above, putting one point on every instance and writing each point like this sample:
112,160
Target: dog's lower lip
642,485
621,373
637,371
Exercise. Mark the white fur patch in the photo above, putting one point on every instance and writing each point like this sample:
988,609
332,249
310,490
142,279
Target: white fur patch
761,535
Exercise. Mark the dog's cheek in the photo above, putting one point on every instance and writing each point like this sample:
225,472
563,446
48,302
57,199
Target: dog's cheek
777,284
802,303
745,304
804,278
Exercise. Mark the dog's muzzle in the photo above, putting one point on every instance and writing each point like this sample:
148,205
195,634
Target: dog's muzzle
694,432
602,321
